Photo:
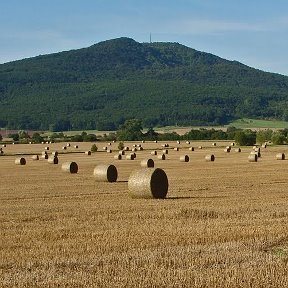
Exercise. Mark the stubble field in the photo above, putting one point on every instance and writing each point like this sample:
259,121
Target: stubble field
223,223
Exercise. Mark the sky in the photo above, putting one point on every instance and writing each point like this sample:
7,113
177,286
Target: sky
253,32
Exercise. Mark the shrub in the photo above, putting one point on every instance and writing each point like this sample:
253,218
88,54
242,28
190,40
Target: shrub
94,148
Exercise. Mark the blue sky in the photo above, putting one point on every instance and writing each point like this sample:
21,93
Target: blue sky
253,32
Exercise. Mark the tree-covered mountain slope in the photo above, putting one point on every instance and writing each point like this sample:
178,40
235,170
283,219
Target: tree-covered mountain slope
101,86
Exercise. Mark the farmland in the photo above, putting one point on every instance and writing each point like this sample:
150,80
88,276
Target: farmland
223,224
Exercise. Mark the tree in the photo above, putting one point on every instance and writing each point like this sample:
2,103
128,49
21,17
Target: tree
37,138
94,148
131,130
245,138
278,138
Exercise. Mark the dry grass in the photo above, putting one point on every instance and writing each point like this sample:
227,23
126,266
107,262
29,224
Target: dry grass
224,224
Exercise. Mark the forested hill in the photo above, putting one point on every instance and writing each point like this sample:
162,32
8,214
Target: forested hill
101,86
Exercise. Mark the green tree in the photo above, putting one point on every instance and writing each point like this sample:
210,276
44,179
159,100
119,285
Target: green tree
278,138
1,137
94,148
131,130
120,146
37,138
245,138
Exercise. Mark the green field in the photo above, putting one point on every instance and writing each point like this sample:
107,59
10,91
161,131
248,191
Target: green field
254,123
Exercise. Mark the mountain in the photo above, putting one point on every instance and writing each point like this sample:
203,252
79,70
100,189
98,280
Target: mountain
101,86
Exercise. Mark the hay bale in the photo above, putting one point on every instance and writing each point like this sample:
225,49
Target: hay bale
44,153
47,148
88,153
280,156
126,148
118,157
134,149
35,157
232,144
237,150
70,167
1,152
109,144
148,183
200,147
55,153
53,160
257,149
176,148
76,146
214,144
178,142
105,148
256,153
121,152
147,163
130,156
264,145
109,151
4,145
184,158
143,141
64,148
227,150
155,141
105,173
20,161
44,156
210,158
161,157
68,145
188,142
191,148
253,158
140,148
154,152
165,151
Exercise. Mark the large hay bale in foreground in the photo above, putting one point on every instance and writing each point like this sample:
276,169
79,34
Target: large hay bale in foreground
20,161
70,167
35,157
105,173
210,158
148,183
53,160
184,158
280,156
147,163
253,158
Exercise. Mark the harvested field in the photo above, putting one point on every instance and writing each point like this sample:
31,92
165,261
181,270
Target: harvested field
223,223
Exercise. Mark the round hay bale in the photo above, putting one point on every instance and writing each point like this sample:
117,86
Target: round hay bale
70,167
109,144
134,149
214,144
155,141
64,148
140,148
121,152
126,148
105,173
165,151
4,145
280,156
210,158
68,145
148,183
237,150
76,146
227,150
232,144
55,153
176,148
161,157
178,142
184,158
35,157
20,161
256,153
264,146
44,156
147,163
154,152
130,156
200,147
143,141
188,142
109,151
257,149
118,157
191,148
88,153
253,158
44,153
105,148
53,160
47,148
1,152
